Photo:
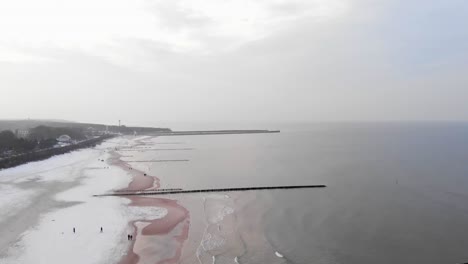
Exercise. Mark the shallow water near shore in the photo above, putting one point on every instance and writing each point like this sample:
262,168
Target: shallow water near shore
397,193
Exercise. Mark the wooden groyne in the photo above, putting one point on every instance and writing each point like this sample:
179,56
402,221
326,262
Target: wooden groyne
143,191
162,192
168,160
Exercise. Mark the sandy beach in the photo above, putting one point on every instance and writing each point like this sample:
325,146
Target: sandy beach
50,198
42,202
198,228
157,240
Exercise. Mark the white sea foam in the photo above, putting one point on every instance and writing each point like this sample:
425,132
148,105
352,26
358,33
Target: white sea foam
146,213
212,241
221,214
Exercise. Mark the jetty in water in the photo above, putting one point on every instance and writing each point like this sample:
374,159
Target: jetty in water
213,132
177,191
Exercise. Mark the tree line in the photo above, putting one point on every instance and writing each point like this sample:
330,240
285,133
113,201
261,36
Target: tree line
9,141
40,137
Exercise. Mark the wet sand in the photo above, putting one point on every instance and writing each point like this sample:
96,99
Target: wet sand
139,180
169,232
210,231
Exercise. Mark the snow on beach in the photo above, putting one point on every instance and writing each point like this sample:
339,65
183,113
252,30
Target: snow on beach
15,192
70,180
13,199
46,169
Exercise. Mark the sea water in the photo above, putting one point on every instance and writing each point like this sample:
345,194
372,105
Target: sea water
396,192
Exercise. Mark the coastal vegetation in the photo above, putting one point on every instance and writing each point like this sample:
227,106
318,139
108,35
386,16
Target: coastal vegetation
22,141
42,133
23,136
17,158
40,137
9,142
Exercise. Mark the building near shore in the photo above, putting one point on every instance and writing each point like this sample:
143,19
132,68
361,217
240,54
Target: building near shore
64,139
22,133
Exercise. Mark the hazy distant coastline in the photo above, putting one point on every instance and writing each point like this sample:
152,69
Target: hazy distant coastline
215,132
23,141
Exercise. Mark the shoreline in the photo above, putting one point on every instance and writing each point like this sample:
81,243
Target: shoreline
53,197
177,216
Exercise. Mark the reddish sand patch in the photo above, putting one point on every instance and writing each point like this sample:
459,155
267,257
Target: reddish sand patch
176,214
139,180
181,239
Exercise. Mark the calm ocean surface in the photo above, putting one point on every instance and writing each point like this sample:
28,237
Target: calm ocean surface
397,192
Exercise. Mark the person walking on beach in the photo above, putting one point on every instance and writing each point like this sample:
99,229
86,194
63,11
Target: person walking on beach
102,230
73,230
128,237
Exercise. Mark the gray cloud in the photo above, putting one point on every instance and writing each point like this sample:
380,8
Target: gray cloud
361,66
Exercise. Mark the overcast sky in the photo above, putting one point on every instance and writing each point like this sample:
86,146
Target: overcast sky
150,61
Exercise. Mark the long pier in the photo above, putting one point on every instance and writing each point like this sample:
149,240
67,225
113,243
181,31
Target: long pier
166,160
213,132
177,191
